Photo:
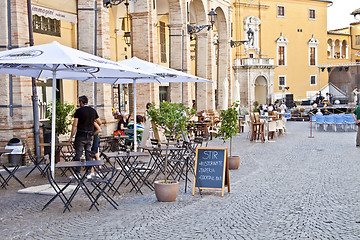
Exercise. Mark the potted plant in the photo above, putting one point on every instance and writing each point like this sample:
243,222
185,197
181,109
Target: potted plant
63,113
228,129
173,118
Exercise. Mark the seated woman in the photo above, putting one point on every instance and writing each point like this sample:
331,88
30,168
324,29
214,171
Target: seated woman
139,128
122,124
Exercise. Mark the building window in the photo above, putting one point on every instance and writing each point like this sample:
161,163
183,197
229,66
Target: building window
312,56
357,39
162,42
312,14
281,55
313,45
163,93
281,11
281,43
46,25
282,81
313,80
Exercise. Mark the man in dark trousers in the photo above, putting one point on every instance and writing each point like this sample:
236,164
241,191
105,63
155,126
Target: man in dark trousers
83,126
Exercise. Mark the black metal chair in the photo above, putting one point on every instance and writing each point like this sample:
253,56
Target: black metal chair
58,190
36,160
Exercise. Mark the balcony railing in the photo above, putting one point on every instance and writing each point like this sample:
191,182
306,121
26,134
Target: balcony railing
242,62
42,111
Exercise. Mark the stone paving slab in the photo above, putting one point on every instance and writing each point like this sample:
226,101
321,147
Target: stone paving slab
293,188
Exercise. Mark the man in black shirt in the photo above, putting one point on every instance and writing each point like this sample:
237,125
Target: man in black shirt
83,126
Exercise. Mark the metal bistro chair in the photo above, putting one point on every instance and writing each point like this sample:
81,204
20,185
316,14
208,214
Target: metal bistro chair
37,161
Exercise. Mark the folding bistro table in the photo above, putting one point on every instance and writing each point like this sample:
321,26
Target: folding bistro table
131,169
99,185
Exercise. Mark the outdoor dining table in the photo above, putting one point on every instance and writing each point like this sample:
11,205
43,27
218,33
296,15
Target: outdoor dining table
131,169
112,143
11,172
267,119
62,149
81,180
158,157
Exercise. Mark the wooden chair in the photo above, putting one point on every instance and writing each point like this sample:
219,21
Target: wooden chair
257,127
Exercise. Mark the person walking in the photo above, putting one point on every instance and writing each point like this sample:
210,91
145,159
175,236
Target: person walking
355,95
83,127
356,115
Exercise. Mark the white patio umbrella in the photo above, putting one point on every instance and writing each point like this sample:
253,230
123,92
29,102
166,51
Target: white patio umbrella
54,61
225,94
165,75
237,91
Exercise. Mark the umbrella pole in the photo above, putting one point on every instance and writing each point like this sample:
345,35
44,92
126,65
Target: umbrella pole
135,127
52,162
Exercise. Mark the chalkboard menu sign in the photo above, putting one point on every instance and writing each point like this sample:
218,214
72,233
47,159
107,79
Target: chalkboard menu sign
211,169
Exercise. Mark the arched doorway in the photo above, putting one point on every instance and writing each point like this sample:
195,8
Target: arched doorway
261,90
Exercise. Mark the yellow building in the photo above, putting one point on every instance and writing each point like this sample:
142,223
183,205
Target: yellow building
286,43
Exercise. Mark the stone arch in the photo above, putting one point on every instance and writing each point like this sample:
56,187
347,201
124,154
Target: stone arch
261,89
222,55
329,48
197,13
337,49
344,49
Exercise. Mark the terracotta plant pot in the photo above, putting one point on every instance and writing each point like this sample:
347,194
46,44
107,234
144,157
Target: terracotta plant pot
166,192
234,162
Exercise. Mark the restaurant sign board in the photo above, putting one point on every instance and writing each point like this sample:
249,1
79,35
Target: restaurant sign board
211,169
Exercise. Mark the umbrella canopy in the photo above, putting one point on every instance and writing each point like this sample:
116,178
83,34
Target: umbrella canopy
164,75
225,94
58,61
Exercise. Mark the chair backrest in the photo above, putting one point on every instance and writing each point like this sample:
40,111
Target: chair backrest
329,118
257,117
349,118
28,149
339,118
320,119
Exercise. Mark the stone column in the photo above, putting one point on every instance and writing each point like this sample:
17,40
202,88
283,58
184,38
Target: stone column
86,42
145,46
20,124
333,49
180,60
340,47
202,58
347,52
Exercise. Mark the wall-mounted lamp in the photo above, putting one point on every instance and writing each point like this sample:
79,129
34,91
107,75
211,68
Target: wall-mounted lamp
110,3
234,44
212,19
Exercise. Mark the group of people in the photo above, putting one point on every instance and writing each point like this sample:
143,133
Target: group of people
273,107
86,129
320,99
125,124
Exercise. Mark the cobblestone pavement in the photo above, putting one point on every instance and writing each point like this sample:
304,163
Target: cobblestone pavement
293,188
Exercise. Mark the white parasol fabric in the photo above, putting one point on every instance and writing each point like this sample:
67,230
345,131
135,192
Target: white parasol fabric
164,75
54,61
225,94
237,91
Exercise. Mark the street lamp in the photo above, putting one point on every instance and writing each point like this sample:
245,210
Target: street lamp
127,35
110,3
250,34
212,19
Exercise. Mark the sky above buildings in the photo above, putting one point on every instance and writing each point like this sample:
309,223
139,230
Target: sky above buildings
339,13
